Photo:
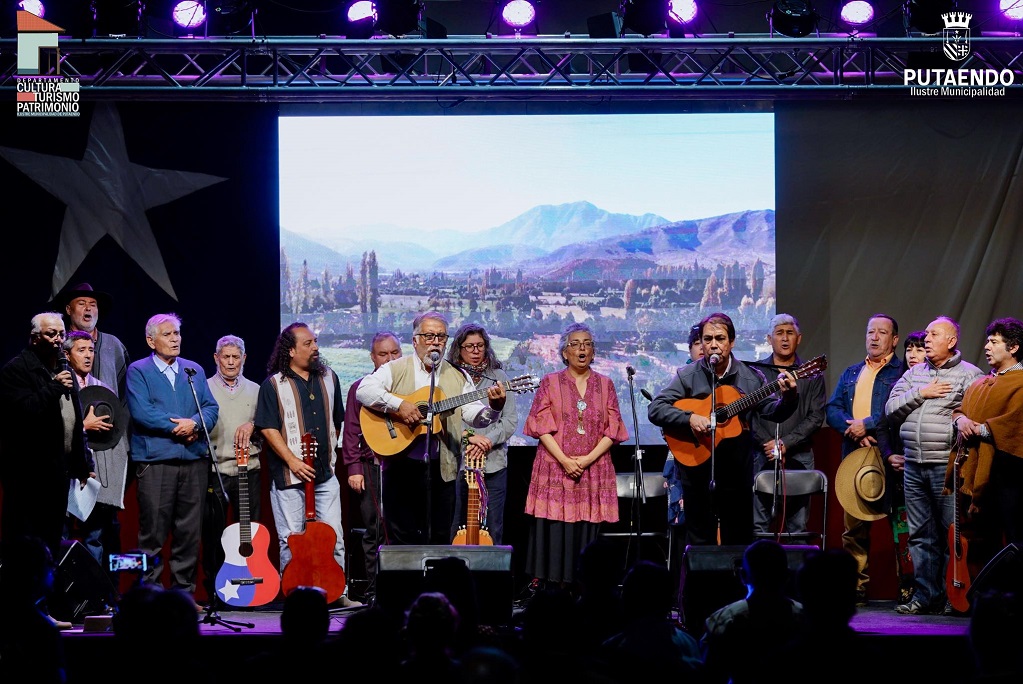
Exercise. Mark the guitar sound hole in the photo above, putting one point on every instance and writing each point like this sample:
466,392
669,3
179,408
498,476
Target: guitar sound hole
245,550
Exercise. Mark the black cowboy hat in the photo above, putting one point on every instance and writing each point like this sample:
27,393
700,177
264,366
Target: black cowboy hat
104,403
61,301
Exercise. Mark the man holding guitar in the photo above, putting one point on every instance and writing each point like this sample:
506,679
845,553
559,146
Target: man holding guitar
302,398
683,411
988,422
413,512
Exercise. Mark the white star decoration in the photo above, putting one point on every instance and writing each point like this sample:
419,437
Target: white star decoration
106,193
229,590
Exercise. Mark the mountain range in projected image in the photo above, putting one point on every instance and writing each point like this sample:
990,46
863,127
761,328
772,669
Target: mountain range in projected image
639,282
568,241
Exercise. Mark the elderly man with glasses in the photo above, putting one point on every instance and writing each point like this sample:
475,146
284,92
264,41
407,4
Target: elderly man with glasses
419,474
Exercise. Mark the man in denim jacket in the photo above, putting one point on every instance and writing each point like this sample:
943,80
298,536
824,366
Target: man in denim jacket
856,410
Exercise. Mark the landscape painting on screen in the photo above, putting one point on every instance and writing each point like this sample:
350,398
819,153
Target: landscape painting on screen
638,278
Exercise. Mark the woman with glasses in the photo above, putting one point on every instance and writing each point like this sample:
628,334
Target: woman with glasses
575,417
485,449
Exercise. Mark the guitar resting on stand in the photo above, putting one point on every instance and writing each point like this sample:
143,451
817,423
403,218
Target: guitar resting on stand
212,617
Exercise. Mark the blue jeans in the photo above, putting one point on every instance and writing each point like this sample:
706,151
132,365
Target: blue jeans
929,513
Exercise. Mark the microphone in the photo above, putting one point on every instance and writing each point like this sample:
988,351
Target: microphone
65,366
630,371
714,359
434,357
190,372
646,393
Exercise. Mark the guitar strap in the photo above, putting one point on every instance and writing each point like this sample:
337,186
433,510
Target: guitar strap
292,423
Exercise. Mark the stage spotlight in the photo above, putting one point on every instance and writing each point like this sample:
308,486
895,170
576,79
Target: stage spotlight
398,17
231,17
360,20
857,12
645,17
36,7
117,17
681,13
517,17
792,18
925,15
188,14
1011,9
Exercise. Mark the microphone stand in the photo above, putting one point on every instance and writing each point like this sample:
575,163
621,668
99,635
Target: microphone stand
639,493
429,445
212,617
713,443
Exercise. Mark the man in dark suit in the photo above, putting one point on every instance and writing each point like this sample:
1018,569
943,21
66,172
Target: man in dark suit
168,451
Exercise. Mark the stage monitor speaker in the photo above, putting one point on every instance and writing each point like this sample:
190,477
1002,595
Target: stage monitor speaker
80,587
1003,573
711,579
404,572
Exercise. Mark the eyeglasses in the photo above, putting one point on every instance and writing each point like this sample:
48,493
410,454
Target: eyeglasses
433,337
575,344
478,346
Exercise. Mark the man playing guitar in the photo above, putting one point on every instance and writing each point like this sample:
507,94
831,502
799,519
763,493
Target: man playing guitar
717,489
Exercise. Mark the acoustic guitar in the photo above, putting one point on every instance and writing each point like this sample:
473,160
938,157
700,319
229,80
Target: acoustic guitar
312,551
692,450
957,575
473,533
387,437
247,577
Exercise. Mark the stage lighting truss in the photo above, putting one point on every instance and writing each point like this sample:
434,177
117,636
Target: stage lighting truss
793,18
477,69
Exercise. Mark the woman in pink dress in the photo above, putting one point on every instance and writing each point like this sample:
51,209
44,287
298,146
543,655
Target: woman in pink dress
572,489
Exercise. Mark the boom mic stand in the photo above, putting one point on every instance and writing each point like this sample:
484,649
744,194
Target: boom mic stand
429,445
639,486
713,442
212,617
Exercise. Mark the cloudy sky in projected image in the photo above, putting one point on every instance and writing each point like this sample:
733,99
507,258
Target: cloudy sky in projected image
341,174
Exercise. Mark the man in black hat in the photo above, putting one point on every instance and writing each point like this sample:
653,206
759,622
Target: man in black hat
82,305
105,420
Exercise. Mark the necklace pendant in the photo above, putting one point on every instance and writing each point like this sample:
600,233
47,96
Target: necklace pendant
580,429
312,397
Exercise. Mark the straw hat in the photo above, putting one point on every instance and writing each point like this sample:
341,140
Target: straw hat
860,484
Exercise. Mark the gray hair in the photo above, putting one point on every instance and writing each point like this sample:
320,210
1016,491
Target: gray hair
156,321
37,320
784,319
417,323
382,335
231,341
568,332
74,336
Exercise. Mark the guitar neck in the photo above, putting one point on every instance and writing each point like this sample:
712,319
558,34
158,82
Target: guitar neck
244,524
452,403
748,401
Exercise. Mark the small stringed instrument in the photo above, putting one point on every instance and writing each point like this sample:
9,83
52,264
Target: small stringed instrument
900,532
247,577
473,534
387,437
957,575
692,450
312,551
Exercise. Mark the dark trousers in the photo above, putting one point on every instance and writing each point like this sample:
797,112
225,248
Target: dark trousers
731,502
405,487
374,537
171,498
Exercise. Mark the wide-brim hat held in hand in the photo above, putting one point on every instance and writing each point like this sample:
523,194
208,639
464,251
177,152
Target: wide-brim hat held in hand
860,484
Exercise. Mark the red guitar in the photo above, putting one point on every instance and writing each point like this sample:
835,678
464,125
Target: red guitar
473,534
247,577
691,450
957,576
312,551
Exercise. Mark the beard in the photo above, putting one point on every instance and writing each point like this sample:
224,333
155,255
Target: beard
317,366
